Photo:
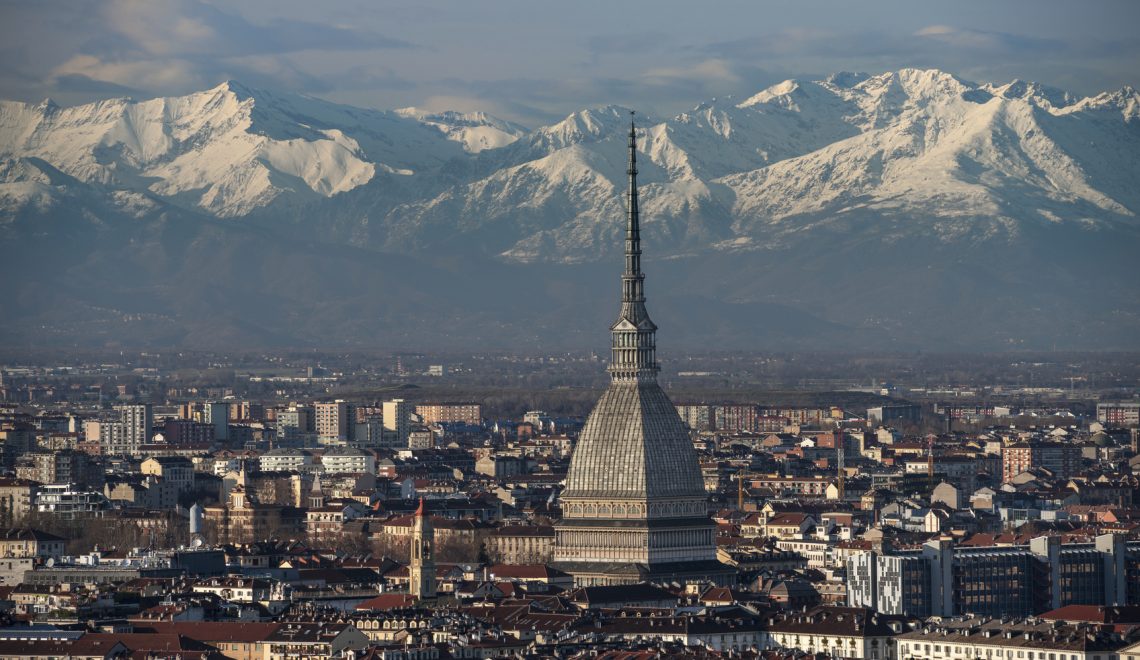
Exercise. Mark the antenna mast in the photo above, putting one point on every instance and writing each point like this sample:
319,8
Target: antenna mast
840,460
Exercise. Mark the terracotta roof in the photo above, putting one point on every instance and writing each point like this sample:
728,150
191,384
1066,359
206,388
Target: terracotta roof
212,631
1095,614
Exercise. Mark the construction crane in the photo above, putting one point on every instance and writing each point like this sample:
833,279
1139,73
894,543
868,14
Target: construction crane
930,460
740,477
840,456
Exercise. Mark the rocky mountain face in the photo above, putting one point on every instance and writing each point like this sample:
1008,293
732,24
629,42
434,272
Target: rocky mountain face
908,210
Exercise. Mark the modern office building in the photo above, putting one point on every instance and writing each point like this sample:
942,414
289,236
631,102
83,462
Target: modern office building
217,414
902,412
942,579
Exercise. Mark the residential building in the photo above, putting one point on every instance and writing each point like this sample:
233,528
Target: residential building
348,460
68,502
397,422
177,471
840,632
333,422
17,497
1003,639
24,543
1118,414
450,412
287,460
217,415
1061,458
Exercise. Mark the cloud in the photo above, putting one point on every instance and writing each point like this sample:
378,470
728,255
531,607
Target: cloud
129,73
532,67
81,84
654,90
167,28
988,41
628,43
176,46
710,70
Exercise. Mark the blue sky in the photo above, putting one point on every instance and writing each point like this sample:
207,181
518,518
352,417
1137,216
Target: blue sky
535,61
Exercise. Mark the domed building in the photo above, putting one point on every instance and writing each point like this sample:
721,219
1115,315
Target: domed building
634,507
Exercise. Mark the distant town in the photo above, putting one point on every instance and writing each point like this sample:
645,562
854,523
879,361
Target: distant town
405,506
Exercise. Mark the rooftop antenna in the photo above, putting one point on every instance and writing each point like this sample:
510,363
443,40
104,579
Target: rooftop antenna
930,460
840,460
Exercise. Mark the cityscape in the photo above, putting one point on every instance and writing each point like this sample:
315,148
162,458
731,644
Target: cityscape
285,378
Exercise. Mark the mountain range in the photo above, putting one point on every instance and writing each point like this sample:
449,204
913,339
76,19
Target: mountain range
910,210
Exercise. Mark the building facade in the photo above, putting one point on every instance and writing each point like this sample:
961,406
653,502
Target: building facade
1118,414
333,422
421,568
1062,459
450,413
941,579
634,507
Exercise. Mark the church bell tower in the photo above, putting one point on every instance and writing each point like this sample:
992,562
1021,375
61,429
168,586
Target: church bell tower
422,566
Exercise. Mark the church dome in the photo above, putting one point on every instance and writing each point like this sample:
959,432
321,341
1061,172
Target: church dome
634,446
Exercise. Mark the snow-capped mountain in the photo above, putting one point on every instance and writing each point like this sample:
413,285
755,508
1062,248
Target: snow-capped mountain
227,151
1015,198
476,131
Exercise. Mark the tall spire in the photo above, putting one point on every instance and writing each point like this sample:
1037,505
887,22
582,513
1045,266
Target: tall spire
633,347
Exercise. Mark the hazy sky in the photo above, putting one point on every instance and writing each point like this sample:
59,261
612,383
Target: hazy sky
534,61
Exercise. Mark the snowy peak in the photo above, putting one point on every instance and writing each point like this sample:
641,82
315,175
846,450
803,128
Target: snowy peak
476,131
919,144
989,212
585,126
228,150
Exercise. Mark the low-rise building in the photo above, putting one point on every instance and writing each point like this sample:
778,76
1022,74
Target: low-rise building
995,639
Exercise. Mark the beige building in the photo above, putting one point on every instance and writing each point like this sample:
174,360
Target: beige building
24,542
242,519
521,544
332,422
177,471
450,412
397,422
16,497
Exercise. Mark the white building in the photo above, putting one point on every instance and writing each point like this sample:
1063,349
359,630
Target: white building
348,460
287,460
1020,640
67,502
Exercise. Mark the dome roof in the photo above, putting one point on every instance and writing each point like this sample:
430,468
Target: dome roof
634,446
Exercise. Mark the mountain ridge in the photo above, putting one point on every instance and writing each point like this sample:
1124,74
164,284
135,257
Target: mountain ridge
737,197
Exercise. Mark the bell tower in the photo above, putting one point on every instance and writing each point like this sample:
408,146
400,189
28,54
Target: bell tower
422,567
